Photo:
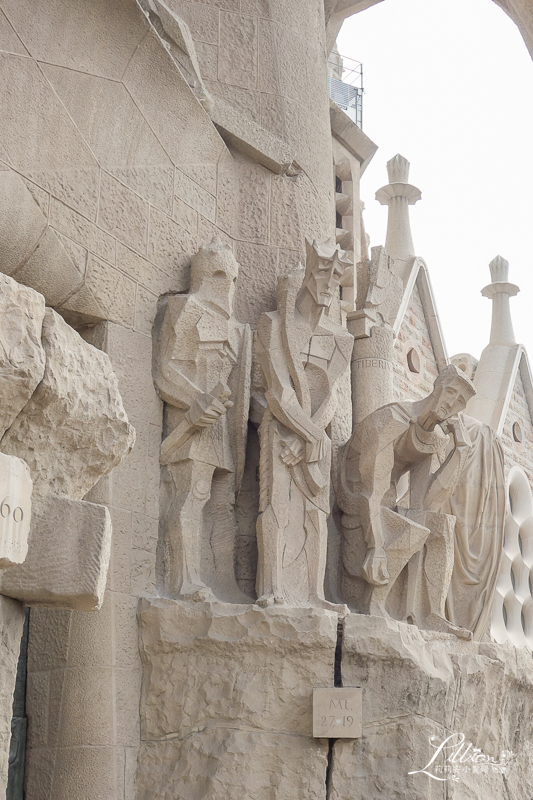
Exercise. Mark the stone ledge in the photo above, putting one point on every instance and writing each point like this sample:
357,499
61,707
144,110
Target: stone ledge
351,136
251,139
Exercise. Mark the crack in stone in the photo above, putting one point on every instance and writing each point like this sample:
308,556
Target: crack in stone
331,743
337,676
337,682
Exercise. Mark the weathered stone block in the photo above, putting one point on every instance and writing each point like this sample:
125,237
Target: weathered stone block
51,271
226,763
11,623
59,571
123,213
81,230
421,684
92,103
203,174
15,510
77,187
237,666
237,57
169,245
9,41
201,19
106,294
23,359
74,428
50,141
195,196
255,291
59,38
22,222
243,196
240,694
159,89
186,216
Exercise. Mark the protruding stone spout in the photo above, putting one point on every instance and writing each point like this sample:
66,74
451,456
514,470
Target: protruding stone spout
398,195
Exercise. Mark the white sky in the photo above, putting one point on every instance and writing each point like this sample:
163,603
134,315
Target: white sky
449,85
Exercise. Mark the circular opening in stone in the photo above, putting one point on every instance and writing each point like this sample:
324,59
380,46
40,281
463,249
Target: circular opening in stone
413,360
518,436
504,615
513,579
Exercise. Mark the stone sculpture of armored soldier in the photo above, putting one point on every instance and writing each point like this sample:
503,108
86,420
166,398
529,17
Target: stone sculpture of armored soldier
302,353
202,360
399,550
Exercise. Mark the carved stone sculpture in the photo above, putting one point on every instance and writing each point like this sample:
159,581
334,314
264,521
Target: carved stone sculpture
302,353
202,371
398,548
478,504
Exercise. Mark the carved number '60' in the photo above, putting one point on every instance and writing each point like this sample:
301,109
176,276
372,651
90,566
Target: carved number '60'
5,511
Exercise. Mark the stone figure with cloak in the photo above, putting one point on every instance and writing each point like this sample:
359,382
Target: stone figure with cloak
302,353
429,555
478,505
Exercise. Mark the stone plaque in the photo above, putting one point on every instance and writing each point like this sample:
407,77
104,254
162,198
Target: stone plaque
15,510
337,713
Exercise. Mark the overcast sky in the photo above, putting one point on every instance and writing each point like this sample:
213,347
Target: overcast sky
449,85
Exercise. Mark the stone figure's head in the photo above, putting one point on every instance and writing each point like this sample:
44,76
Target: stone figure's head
214,272
325,266
451,392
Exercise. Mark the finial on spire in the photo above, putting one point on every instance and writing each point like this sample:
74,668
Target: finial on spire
398,195
499,269
499,291
398,169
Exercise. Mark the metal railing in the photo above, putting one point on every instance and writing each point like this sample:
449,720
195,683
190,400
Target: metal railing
345,86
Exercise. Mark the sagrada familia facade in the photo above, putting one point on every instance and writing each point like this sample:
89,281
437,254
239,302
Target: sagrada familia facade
261,536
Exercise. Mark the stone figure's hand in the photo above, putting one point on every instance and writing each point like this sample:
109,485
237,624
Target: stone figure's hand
292,450
375,567
205,410
222,392
456,427
315,451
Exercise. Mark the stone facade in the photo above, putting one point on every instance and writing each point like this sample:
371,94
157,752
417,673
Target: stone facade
519,453
133,132
414,335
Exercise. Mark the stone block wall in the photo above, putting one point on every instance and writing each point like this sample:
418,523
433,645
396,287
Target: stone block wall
120,176
518,453
414,334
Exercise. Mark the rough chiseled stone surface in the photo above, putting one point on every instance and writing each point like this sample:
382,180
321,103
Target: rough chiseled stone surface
233,763
11,622
226,704
74,428
417,685
22,356
63,571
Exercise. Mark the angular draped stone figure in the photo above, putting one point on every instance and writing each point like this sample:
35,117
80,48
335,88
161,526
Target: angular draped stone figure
478,505
302,353
398,552
202,364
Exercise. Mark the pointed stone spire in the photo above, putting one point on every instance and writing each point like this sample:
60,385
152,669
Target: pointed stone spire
398,195
499,291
